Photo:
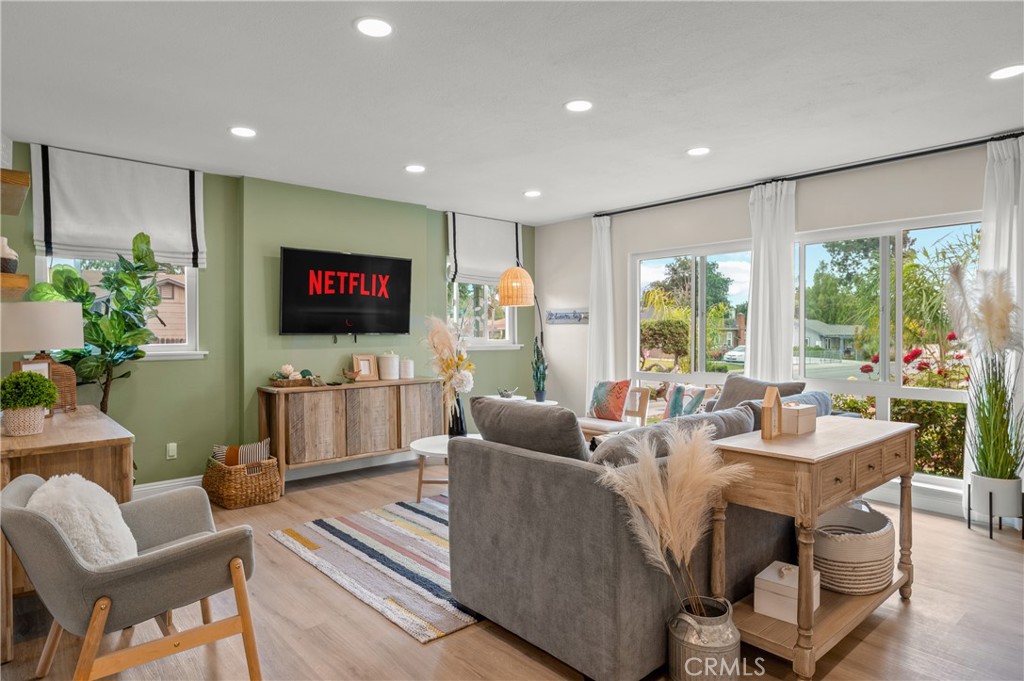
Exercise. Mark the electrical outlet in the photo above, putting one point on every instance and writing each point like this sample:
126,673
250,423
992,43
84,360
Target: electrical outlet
172,450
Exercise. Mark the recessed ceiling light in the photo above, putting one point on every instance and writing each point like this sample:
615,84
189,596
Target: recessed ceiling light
531,193
1007,72
239,131
698,151
414,168
579,105
373,27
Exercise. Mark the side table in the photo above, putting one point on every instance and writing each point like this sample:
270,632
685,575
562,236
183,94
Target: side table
436,445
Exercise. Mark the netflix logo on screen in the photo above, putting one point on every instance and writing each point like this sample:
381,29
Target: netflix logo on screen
328,292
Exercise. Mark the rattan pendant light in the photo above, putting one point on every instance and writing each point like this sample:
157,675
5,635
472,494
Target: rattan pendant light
515,288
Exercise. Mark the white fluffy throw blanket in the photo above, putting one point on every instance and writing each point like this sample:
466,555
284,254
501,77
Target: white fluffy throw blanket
89,516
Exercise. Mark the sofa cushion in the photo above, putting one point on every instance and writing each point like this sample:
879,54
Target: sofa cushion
548,429
739,389
609,400
617,450
820,400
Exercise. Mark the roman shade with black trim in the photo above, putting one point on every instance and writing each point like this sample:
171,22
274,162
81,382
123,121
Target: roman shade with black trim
89,207
480,249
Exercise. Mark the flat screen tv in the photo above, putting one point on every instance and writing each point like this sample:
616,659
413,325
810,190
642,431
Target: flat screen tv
327,292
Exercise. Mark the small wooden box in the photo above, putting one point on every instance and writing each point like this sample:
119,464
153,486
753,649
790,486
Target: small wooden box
775,590
799,419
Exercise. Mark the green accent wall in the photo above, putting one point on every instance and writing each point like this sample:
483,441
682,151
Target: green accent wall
202,402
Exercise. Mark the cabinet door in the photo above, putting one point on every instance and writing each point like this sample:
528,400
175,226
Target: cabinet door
316,426
421,411
372,419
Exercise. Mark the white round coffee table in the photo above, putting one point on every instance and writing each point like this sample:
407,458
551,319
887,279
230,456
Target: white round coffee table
436,445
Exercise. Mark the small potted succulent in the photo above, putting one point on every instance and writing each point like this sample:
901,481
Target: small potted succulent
24,397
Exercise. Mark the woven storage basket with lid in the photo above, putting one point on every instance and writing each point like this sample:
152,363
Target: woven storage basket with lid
854,549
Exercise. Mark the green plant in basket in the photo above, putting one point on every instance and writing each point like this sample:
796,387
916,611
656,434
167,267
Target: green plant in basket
25,389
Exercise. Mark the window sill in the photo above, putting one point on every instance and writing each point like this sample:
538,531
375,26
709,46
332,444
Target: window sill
496,346
174,356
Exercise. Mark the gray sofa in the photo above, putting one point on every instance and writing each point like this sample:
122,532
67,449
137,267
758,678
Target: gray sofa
541,549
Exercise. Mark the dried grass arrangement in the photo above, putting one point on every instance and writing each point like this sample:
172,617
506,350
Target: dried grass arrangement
451,362
669,505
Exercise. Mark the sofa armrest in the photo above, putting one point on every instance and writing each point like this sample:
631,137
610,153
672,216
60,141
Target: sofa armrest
540,548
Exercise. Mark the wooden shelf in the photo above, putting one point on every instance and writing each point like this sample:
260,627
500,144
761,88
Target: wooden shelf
836,616
13,286
15,186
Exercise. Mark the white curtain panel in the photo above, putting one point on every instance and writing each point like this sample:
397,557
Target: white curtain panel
601,339
770,322
1002,239
90,207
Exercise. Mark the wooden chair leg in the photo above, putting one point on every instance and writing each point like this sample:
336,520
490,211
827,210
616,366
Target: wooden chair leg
93,636
252,657
204,607
49,650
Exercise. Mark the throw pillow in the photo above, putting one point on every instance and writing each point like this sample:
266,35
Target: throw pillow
89,517
618,449
548,429
680,400
233,455
739,389
609,400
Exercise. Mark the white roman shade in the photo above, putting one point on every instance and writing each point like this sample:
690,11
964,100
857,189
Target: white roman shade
480,249
90,207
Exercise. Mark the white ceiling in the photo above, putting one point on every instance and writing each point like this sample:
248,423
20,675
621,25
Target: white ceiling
474,91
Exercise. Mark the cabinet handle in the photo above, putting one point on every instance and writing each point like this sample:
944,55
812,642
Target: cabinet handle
838,480
871,466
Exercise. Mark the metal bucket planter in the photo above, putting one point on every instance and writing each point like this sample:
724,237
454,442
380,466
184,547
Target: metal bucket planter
706,648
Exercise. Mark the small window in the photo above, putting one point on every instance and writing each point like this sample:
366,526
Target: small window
484,321
177,317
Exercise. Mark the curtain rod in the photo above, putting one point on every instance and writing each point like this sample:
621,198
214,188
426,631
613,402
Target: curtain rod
824,171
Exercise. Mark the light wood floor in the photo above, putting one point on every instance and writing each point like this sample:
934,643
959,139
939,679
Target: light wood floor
965,620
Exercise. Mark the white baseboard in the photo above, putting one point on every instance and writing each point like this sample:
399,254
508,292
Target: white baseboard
148,489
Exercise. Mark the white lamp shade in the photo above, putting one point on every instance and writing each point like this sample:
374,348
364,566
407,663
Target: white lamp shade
40,326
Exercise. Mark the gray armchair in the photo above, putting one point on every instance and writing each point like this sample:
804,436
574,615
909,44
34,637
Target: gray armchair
182,559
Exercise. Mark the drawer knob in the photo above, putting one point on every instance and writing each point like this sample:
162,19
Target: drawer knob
838,480
871,466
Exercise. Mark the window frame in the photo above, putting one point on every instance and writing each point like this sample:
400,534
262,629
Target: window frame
162,351
511,340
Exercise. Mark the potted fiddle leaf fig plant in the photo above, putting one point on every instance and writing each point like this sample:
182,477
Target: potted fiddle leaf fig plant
539,364
115,326
24,398
985,315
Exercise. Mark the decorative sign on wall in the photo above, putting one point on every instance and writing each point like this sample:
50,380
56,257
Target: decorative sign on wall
579,315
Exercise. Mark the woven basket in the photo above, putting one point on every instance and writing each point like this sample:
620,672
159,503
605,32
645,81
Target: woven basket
247,484
291,382
854,549
25,421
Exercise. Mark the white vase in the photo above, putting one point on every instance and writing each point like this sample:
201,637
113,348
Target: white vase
1006,496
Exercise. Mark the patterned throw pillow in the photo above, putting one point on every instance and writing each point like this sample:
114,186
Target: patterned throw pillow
679,397
233,455
609,400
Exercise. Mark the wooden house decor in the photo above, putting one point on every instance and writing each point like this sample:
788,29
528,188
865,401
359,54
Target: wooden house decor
771,414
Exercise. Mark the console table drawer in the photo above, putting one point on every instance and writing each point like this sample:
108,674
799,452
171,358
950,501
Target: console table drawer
869,468
835,479
896,455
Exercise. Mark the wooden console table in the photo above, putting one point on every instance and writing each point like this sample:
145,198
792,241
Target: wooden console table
803,476
85,441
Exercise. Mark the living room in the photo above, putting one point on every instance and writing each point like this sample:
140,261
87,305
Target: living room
884,132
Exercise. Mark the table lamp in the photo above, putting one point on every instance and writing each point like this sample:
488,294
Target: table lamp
39,327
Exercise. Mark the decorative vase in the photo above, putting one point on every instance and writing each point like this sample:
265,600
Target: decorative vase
704,647
1006,496
457,426
540,395
25,421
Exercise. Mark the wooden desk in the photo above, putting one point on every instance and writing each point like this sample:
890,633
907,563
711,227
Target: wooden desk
803,476
85,441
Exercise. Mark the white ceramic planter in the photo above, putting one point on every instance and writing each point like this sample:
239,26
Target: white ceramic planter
27,421
1006,496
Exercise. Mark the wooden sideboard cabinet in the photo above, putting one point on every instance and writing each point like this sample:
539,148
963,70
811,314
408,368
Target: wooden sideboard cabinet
327,424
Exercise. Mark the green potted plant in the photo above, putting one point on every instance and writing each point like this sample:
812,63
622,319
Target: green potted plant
986,316
116,326
540,371
24,397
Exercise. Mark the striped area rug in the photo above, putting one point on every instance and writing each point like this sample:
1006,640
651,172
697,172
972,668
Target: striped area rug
393,558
